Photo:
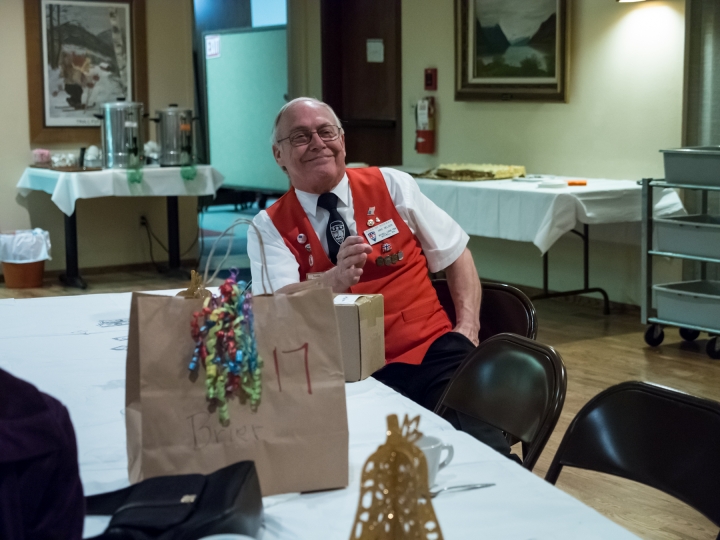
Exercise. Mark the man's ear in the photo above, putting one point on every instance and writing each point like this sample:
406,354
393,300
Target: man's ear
277,154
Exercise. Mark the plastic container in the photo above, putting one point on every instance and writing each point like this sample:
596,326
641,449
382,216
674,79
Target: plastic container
699,165
23,275
695,303
23,255
697,235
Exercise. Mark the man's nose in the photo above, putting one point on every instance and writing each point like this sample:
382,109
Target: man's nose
316,141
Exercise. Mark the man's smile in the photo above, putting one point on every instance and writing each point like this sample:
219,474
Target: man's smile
319,157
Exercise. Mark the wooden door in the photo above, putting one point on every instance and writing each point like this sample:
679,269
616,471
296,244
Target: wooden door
361,59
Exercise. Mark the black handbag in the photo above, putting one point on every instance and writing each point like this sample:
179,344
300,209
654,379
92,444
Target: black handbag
184,507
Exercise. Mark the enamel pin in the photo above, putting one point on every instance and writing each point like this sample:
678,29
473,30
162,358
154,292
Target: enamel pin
370,222
310,260
308,247
371,211
301,238
386,247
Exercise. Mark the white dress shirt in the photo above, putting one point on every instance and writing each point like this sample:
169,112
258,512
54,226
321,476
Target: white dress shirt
441,238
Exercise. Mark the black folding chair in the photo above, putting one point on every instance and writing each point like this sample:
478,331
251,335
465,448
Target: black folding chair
654,435
514,384
504,308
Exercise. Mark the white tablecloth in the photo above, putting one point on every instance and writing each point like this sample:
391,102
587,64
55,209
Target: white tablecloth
74,349
522,211
66,188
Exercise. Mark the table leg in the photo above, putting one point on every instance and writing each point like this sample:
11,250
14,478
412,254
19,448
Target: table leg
173,226
71,277
586,276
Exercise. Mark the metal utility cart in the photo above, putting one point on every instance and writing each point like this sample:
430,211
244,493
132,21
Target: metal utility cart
693,306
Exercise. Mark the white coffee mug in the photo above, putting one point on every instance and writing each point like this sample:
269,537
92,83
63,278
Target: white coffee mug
433,448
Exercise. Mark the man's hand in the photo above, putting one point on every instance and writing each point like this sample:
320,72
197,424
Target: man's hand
351,258
470,332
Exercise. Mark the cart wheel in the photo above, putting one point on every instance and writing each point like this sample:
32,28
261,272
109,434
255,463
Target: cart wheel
713,349
689,335
654,335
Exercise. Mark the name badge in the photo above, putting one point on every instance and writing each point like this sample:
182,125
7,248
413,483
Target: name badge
380,232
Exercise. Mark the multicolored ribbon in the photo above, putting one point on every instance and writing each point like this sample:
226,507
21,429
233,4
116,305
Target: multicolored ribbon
226,347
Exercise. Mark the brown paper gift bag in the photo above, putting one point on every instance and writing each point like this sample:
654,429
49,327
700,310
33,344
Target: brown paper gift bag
298,437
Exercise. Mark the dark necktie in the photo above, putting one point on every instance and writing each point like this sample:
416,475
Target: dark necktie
336,230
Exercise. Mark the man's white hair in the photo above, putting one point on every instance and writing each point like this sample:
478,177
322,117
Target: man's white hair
298,100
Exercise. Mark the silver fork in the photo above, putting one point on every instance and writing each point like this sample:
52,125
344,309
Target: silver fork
465,487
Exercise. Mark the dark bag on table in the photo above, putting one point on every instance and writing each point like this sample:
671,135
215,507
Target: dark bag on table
184,507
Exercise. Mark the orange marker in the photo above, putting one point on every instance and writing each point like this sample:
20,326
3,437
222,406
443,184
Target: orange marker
577,182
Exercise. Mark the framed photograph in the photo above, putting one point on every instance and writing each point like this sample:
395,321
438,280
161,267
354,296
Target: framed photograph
81,54
511,50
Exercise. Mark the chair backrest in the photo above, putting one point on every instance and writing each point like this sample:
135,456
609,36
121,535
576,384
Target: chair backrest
650,434
504,308
514,384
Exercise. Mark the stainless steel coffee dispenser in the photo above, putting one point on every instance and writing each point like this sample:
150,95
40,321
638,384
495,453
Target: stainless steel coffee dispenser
122,134
175,136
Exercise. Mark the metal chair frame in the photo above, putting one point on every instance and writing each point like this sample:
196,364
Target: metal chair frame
532,427
650,434
491,293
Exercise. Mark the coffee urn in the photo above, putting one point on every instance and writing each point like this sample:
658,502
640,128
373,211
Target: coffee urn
175,136
122,134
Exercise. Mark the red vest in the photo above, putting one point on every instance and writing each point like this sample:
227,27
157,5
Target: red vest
414,317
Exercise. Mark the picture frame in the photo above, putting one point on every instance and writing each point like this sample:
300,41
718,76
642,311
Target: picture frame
511,50
80,54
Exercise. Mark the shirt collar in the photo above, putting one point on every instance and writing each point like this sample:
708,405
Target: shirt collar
309,200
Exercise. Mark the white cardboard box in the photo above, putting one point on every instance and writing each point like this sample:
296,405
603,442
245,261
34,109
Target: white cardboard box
362,334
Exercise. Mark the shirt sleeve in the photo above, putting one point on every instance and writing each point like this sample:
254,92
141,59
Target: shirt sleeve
441,238
283,268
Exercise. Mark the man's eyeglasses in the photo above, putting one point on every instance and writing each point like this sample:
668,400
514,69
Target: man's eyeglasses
304,136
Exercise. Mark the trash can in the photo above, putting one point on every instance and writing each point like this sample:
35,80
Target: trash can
23,255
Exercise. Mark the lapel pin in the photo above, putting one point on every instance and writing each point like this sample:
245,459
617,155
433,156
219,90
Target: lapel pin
394,258
380,261
388,261
371,211
308,247
310,260
386,248
400,255
370,222
377,220
301,238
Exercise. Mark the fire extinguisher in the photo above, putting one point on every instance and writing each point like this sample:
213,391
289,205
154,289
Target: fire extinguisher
425,126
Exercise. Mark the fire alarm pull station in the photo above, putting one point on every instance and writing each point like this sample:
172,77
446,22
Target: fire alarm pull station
431,79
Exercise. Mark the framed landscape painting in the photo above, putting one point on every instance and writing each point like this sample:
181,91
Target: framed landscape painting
81,54
511,50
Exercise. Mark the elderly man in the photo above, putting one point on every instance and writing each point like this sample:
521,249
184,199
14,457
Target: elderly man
371,231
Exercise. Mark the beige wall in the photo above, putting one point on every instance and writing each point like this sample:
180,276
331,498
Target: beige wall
108,228
625,103
304,49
